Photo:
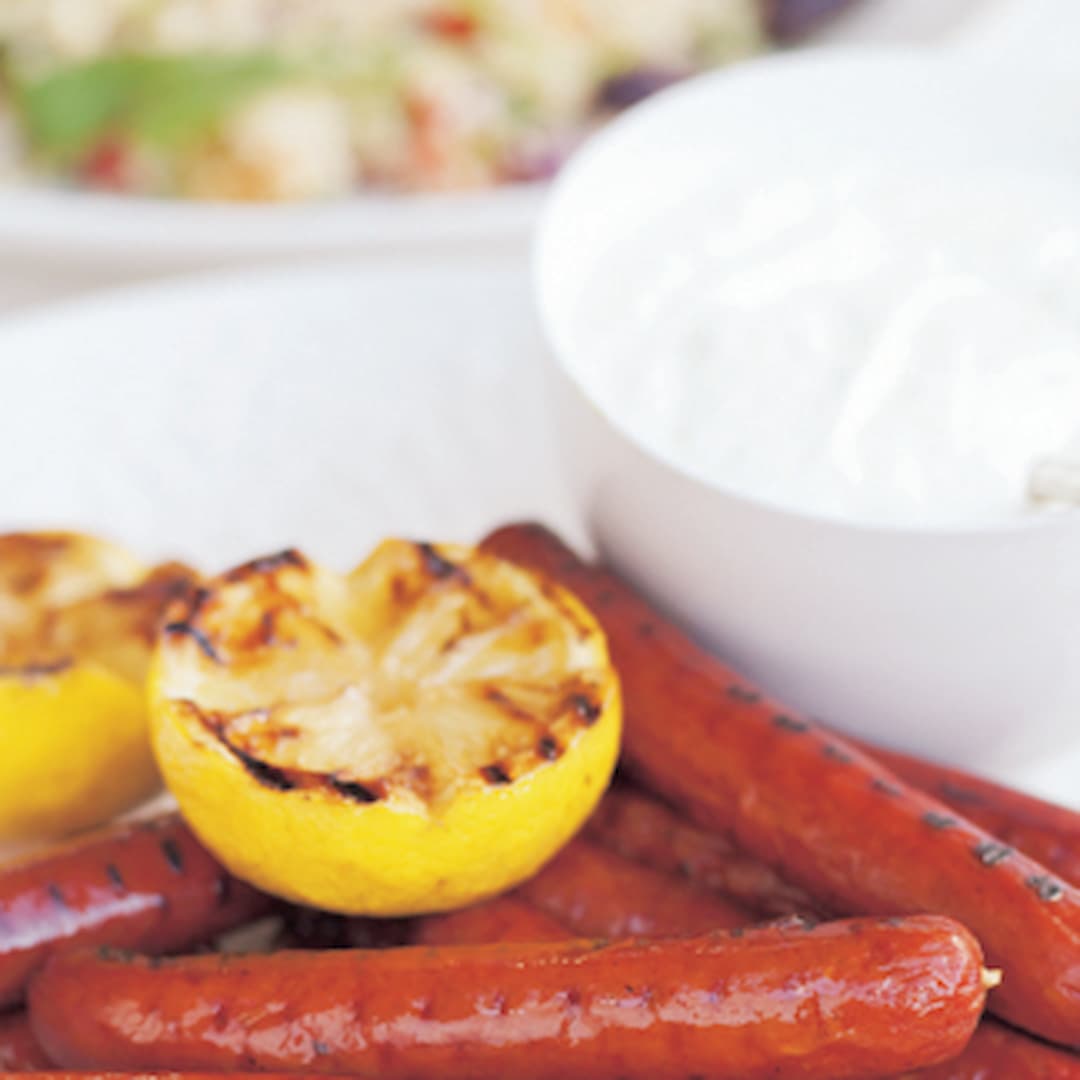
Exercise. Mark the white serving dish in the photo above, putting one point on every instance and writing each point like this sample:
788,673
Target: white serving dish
962,645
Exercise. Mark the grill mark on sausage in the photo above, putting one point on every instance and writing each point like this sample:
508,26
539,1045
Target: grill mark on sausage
173,856
991,853
884,787
953,793
939,821
790,723
743,695
604,598
56,896
834,753
1046,888
116,879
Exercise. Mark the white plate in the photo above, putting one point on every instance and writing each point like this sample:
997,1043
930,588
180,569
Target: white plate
324,407
151,234
222,417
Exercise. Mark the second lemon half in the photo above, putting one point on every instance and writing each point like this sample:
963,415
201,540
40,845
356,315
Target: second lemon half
418,735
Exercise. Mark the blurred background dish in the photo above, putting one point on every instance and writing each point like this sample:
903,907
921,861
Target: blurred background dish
62,238
265,101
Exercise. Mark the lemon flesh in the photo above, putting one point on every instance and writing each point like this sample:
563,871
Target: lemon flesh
78,618
413,737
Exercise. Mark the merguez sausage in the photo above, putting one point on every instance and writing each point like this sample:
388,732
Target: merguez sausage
149,886
854,999
810,805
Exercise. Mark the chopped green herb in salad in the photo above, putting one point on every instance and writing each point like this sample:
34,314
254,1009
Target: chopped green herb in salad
297,99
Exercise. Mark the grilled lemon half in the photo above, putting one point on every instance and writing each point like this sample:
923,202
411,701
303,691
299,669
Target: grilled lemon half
78,620
412,737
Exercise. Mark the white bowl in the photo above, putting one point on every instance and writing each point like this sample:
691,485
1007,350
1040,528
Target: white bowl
960,644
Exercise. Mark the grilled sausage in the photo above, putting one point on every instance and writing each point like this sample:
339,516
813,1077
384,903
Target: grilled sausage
596,893
1047,833
809,804
997,1052
58,1075
149,886
586,891
639,827
506,919
19,1050
860,998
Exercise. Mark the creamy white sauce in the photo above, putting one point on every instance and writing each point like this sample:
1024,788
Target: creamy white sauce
876,348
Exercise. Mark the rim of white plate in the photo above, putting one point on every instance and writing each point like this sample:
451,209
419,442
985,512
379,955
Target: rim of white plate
125,230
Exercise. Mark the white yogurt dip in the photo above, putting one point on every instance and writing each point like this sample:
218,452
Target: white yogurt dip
878,348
